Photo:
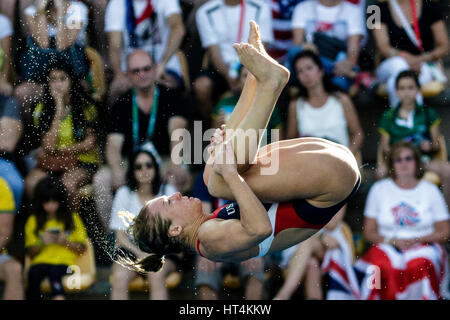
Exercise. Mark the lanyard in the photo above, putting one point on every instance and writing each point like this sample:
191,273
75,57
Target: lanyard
241,21
416,24
152,119
148,11
132,21
414,36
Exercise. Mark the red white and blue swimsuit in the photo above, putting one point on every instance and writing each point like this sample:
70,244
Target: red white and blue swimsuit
285,215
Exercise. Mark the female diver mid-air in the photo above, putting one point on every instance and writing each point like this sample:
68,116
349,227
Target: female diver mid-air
270,212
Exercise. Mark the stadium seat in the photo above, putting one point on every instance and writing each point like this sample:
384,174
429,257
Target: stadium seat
88,272
431,176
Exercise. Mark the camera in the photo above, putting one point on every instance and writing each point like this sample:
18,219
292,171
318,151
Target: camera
54,231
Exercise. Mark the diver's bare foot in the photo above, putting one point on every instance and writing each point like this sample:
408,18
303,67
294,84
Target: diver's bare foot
267,71
254,37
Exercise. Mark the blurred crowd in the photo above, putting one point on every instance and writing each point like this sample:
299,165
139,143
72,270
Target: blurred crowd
96,98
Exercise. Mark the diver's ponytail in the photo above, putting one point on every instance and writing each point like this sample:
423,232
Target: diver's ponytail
152,263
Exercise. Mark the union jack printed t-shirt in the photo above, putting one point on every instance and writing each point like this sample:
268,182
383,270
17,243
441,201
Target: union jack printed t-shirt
405,213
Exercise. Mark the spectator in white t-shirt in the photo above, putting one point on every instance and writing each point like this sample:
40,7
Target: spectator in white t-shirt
57,29
6,33
334,29
155,26
407,220
220,24
144,184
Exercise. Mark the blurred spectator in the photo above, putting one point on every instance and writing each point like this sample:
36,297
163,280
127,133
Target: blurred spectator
209,274
64,123
321,110
220,24
147,112
17,18
416,123
144,183
410,38
407,221
154,26
8,8
54,236
57,31
327,253
282,11
10,269
6,32
11,181
11,189
209,277
98,38
333,29
225,107
10,133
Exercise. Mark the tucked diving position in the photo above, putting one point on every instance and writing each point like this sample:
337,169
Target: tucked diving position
314,178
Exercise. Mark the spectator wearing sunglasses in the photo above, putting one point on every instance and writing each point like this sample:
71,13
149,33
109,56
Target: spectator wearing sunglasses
407,221
143,184
148,112
154,26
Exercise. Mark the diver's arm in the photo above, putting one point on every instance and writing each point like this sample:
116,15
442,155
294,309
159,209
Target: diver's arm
254,225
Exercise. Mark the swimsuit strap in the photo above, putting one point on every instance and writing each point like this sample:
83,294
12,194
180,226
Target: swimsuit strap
212,216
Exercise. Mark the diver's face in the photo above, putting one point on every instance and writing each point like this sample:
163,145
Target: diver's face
179,209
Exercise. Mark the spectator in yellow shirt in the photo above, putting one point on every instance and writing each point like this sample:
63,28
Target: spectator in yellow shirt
10,269
54,236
